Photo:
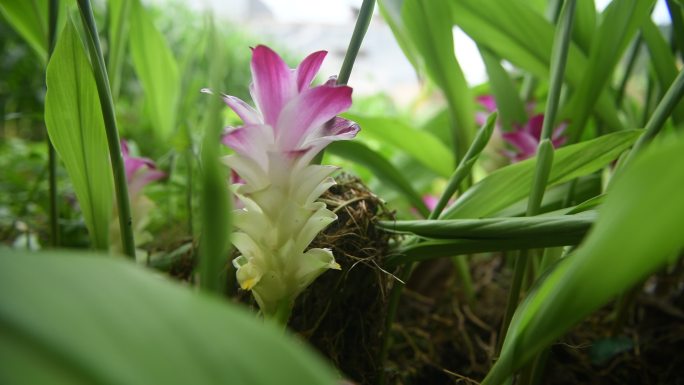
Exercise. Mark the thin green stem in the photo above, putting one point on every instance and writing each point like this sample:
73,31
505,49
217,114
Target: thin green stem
52,154
362,23
545,150
107,105
215,203
513,296
466,165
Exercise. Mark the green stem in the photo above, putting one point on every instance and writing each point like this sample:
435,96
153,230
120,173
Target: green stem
107,105
362,23
545,150
52,154
282,312
513,296
466,165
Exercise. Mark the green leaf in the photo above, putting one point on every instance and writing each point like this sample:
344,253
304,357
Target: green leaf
71,318
73,117
119,13
620,21
156,69
518,34
637,232
391,13
494,228
511,108
427,250
381,168
584,27
663,62
511,183
30,19
420,145
430,28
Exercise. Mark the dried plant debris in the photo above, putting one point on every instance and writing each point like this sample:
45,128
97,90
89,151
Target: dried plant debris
343,312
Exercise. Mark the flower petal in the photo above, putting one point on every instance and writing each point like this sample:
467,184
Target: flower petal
248,114
274,83
534,126
523,141
488,102
333,130
308,69
251,141
308,112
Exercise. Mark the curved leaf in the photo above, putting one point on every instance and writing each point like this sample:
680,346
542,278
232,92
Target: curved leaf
511,183
74,121
637,232
71,318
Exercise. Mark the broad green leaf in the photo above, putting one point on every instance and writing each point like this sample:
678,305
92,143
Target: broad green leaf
391,13
494,228
512,183
420,145
620,21
381,168
72,318
430,28
518,34
511,108
73,117
555,197
663,62
119,13
156,68
638,231
30,19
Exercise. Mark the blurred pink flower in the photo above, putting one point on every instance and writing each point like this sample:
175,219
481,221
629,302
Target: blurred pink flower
139,171
525,137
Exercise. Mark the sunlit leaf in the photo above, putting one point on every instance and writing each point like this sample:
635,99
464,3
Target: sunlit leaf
119,13
518,34
156,68
71,318
73,117
420,145
637,232
30,19
619,23
663,62
512,183
430,28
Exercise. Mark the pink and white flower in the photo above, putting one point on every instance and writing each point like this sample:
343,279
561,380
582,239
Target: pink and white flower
278,187
139,173
525,137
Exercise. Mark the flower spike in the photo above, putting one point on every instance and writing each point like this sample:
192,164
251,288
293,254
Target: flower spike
277,187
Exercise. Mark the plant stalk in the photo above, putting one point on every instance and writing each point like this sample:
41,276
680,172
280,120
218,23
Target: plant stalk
53,11
360,29
107,105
